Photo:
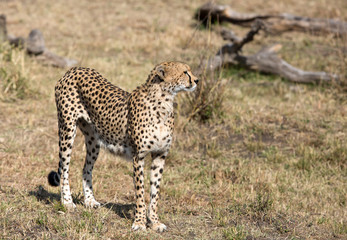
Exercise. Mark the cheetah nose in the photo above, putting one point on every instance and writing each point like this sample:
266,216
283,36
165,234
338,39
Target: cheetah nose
196,81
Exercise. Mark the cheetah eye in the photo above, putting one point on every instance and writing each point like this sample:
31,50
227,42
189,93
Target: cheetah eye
186,73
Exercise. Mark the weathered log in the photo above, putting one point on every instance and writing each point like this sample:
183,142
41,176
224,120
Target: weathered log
274,23
18,42
34,44
266,60
49,58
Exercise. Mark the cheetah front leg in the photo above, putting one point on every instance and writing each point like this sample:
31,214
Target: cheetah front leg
140,208
156,174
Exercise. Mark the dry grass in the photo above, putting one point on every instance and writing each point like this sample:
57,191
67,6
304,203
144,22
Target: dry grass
272,166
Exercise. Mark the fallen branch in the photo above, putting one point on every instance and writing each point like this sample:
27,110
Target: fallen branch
273,23
35,46
266,60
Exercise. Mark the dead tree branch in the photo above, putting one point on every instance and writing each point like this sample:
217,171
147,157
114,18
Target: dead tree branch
238,43
273,23
266,60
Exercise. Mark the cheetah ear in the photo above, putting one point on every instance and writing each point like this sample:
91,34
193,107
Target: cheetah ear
160,72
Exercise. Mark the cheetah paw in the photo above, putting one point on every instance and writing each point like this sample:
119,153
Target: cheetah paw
158,227
138,227
69,205
92,203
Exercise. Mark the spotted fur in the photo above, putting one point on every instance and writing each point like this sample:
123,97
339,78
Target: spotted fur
128,124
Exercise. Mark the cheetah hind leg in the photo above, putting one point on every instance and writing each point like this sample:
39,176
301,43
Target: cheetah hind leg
66,139
92,152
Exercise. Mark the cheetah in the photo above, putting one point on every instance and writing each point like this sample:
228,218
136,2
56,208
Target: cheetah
127,124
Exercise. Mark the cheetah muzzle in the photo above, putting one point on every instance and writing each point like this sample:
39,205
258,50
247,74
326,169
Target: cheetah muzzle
128,124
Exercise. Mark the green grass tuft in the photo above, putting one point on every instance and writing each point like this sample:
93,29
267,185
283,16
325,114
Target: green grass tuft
13,76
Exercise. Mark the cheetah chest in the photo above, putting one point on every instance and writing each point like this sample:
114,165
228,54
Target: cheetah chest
161,128
160,137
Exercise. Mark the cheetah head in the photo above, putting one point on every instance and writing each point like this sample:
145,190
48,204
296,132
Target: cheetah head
173,77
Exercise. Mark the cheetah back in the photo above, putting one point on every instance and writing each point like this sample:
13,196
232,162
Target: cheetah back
84,93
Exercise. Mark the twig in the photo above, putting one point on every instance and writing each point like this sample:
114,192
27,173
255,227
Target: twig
238,43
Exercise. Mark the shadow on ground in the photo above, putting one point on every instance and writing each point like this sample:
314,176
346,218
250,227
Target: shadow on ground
122,210
42,195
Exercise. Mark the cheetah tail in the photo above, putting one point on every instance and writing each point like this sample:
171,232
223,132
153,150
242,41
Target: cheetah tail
54,179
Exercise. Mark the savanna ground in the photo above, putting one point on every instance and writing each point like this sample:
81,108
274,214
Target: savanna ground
267,159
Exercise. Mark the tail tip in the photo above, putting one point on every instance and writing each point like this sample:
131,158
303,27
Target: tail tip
53,179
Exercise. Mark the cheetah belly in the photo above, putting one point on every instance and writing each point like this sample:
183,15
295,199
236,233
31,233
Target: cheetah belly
122,150
120,147
116,145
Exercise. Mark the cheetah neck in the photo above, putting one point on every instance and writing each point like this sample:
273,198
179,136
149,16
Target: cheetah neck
162,100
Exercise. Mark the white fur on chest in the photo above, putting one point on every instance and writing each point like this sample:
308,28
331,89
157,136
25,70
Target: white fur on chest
161,137
160,129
